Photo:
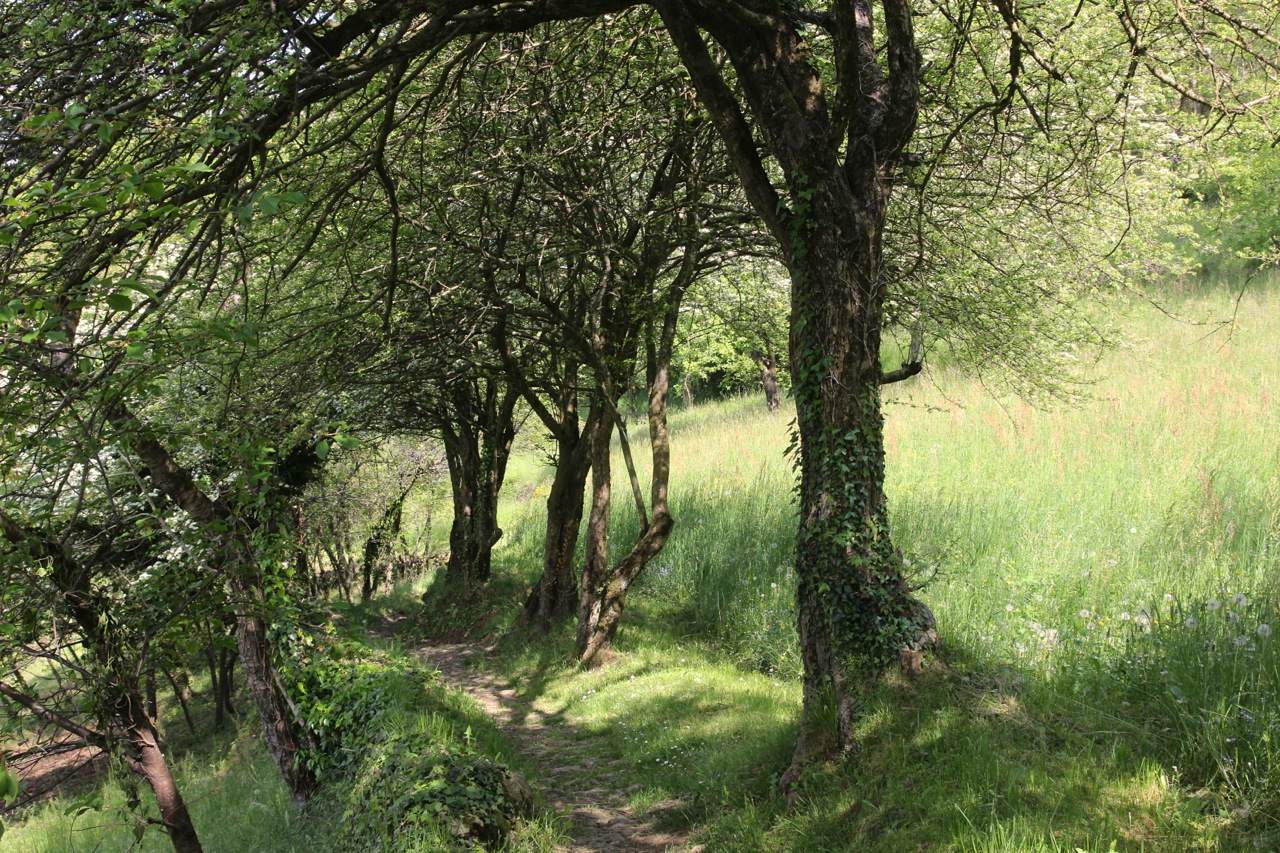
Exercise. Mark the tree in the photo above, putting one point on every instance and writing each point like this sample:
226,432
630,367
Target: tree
815,103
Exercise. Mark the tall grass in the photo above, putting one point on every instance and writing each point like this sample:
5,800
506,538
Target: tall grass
1108,567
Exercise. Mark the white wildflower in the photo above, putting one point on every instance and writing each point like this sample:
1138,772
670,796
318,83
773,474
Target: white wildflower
1240,599
1084,614
1213,604
1191,622
1264,630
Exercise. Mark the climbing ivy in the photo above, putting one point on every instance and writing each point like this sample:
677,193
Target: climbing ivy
849,572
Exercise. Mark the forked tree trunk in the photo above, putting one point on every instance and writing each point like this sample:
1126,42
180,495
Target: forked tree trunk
477,448
604,588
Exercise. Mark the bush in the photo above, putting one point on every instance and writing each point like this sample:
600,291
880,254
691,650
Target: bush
413,794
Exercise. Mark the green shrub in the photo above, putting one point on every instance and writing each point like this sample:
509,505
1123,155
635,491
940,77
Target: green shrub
414,794
346,703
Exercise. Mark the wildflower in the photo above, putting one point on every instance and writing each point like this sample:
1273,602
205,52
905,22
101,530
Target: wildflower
1264,630
1008,608
1084,614
1168,598
1191,622
1240,599
1133,530
1213,605
773,586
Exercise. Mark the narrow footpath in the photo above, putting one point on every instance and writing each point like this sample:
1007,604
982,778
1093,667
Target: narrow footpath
592,792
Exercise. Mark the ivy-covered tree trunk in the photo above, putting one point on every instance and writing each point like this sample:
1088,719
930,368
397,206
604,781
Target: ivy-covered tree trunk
839,152
856,612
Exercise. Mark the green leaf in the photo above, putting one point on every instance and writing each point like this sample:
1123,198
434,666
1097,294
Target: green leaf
322,449
152,188
10,786
347,442
119,302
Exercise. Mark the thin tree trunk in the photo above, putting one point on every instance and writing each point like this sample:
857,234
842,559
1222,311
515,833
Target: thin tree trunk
595,566
148,761
604,590
279,728
769,379
181,685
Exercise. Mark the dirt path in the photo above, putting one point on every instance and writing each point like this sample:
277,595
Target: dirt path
590,790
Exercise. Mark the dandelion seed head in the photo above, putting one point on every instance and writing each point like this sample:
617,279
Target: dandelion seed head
1264,630
1084,614
1191,622
1213,604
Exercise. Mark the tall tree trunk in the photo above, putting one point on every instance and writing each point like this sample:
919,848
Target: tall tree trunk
838,151
554,595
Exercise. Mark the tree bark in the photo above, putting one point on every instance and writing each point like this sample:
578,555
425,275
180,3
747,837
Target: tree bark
477,447
148,761
553,597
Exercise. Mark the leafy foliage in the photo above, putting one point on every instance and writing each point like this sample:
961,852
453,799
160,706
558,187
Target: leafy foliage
411,787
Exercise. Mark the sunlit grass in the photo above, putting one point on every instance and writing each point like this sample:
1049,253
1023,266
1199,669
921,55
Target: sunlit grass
1065,548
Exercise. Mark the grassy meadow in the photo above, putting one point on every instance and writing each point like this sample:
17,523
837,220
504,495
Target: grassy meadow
1105,578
